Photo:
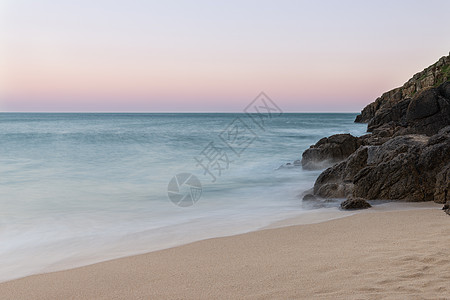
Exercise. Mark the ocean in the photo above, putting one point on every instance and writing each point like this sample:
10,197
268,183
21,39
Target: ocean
79,188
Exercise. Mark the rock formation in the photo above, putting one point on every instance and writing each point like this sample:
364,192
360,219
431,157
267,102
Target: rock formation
407,155
426,113
355,203
432,76
329,150
407,168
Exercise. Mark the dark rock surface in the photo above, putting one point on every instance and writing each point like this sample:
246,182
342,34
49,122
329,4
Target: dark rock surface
432,76
391,171
355,203
407,168
405,158
446,208
426,113
442,188
329,150
309,197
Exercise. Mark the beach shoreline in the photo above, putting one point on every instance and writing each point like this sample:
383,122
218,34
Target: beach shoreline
107,197
374,253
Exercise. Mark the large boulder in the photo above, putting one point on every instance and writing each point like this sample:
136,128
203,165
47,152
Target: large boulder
424,105
329,150
407,168
390,172
337,181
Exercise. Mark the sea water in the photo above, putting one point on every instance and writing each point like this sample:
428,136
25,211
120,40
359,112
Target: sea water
79,188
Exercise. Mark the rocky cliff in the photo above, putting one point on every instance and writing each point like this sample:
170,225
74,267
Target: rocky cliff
407,155
432,76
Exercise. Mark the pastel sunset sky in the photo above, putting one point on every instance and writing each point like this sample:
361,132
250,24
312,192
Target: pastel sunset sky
158,56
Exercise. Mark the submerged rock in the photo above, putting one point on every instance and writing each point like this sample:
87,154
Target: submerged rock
295,164
309,197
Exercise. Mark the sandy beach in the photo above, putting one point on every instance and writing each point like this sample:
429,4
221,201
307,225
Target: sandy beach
374,254
224,150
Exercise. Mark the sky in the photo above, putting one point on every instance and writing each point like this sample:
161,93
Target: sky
212,56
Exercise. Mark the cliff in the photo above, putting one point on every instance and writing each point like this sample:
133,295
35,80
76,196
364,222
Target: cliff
433,76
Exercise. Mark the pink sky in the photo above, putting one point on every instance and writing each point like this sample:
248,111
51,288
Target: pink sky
211,56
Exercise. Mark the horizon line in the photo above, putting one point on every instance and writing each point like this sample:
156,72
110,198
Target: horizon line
176,112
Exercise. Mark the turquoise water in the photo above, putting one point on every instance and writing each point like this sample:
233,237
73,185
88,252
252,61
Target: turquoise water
82,188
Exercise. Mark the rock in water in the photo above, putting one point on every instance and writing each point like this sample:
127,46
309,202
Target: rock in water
329,151
355,203
407,156
309,197
407,168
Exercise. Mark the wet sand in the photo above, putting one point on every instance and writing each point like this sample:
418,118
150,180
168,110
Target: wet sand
374,254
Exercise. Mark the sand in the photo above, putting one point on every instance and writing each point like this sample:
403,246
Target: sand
370,255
